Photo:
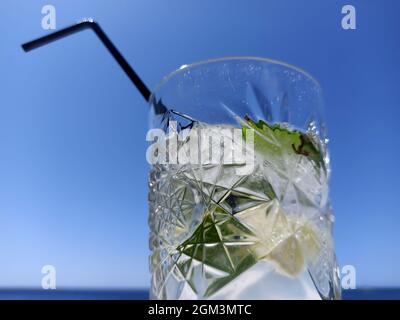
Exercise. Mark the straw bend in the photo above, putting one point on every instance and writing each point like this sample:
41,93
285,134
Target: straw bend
90,24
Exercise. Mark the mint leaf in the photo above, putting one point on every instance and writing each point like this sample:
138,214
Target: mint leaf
273,141
223,243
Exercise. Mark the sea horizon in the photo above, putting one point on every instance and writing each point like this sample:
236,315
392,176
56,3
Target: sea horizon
366,293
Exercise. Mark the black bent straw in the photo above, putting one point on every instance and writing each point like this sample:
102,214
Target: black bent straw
90,24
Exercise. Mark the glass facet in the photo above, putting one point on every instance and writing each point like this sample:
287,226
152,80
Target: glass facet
220,233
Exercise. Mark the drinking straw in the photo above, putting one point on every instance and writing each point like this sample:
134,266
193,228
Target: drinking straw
90,24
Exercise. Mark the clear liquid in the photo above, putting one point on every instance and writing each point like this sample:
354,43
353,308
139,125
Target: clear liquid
217,235
262,281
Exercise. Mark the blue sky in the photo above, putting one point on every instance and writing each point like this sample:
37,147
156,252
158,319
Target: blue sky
73,173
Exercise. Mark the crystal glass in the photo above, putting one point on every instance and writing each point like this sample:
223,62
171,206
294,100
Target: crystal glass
217,232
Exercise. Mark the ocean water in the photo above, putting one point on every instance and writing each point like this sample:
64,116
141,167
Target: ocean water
143,294
73,294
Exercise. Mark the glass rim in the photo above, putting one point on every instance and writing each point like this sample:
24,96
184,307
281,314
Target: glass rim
186,67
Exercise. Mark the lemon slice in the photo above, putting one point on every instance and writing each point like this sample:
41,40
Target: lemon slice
291,254
286,242
288,257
